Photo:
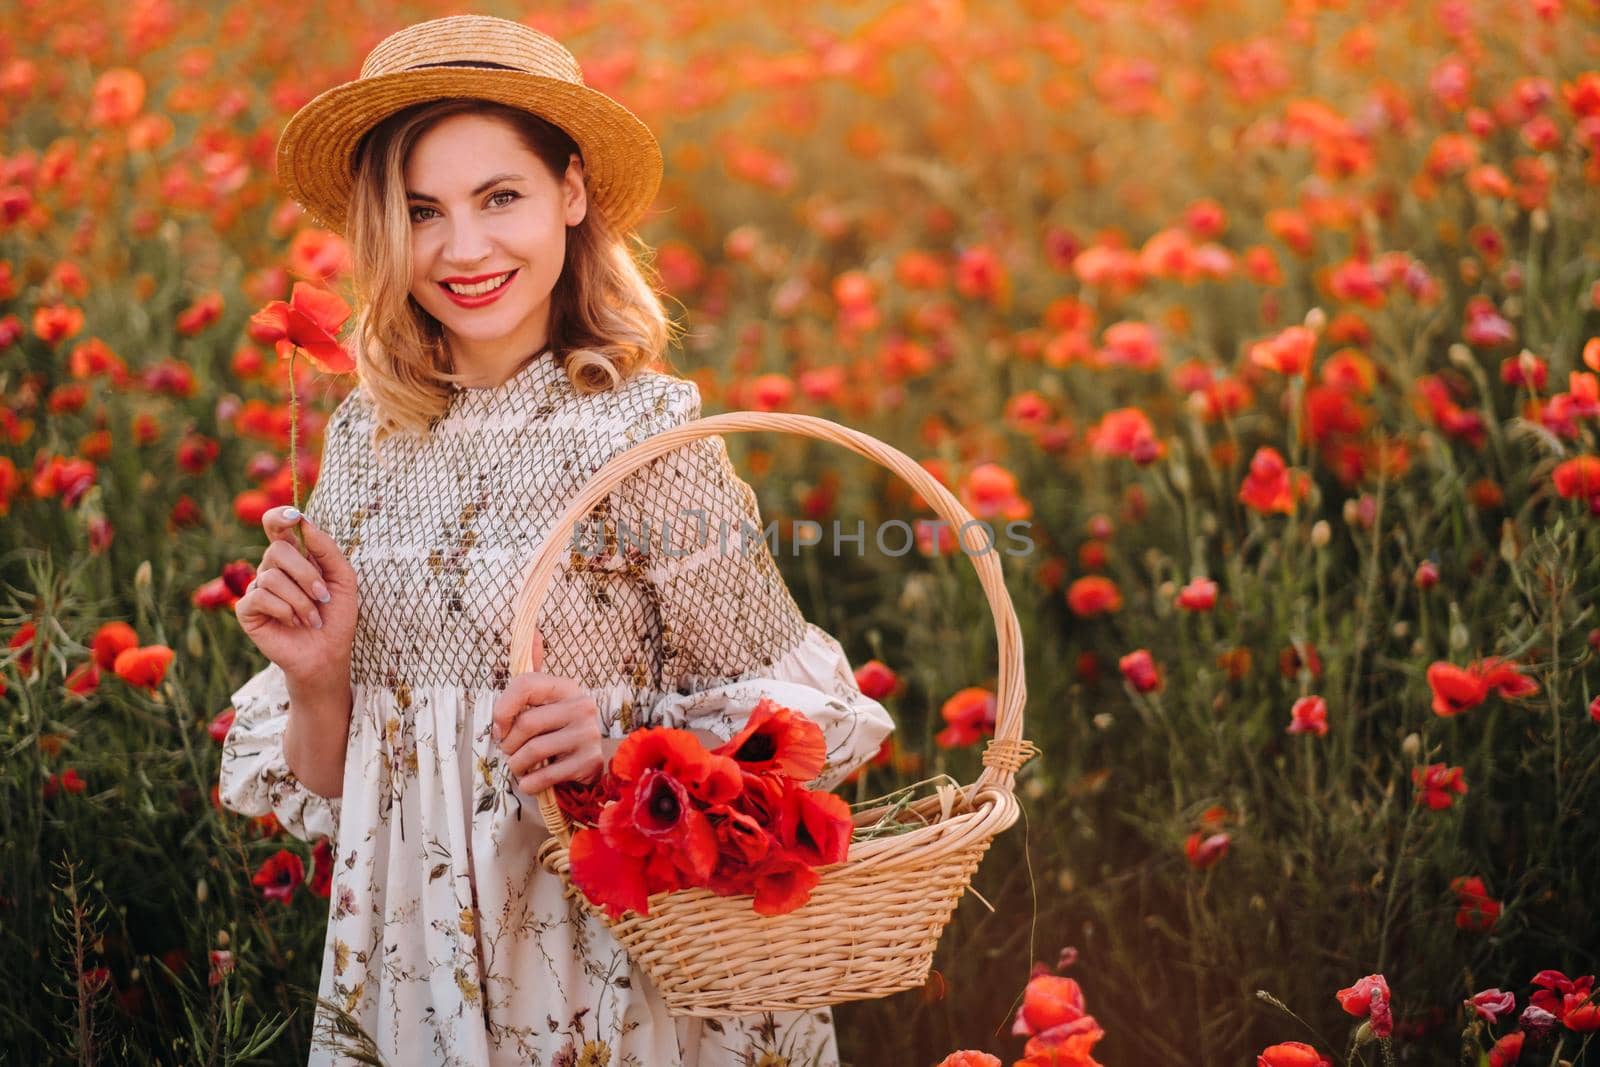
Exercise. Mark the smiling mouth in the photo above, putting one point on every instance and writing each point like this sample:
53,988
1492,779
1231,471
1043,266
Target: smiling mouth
478,288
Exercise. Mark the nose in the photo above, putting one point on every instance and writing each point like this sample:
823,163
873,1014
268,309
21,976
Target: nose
466,244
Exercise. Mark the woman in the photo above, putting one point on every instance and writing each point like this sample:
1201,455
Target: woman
504,346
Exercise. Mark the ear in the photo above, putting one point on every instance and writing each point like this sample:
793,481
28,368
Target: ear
575,195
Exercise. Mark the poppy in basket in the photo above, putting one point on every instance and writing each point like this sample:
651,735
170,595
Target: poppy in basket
778,740
671,815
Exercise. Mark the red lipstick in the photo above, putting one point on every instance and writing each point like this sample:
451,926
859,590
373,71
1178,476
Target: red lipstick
477,301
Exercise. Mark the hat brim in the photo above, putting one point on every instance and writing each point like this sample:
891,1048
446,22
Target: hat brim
316,152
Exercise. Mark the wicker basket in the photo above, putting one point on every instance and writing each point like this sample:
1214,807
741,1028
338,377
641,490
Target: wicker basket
872,922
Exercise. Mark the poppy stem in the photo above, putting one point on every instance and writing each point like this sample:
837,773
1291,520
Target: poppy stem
294,451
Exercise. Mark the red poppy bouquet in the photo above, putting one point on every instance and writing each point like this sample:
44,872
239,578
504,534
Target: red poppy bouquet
670,814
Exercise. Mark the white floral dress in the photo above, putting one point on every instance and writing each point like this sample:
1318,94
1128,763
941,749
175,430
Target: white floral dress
447,942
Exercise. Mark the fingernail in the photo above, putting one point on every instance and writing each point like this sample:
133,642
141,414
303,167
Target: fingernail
290,514
316,618
322,592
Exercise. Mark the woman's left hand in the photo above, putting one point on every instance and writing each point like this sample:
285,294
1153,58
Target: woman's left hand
542,717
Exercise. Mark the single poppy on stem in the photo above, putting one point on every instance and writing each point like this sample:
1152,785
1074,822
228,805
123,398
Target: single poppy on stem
307,323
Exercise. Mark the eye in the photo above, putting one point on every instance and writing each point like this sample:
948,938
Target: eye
417,209
505,192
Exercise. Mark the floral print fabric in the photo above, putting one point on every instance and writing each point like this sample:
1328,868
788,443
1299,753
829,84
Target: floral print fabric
447,943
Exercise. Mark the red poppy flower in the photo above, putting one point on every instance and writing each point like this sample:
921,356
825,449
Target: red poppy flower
221,961
742,844
1094,595
610,879
1204,851
1060,1029
1507,1050
970,714
1289,353
1557,992
1140,669
219,726
1578,478
1051,1049
1455,689
1271,486
1292,1054
969,1058
1369,999
656,820
1309,716
1478,911
309,322
1580,1012
238,575
1198,595
1490,1004
777,740
1506,678
84,679
876,680
713,778
815,826
1126,432
67,780
213,596
1438,785
22,643
1051,1003
110,640
279,875
782,884
143,667
321,882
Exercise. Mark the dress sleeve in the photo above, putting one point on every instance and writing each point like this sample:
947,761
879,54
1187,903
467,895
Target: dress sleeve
255,777
729,632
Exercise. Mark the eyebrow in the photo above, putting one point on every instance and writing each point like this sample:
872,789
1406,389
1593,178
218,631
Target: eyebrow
496,180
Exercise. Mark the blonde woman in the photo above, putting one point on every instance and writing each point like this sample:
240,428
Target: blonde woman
506,345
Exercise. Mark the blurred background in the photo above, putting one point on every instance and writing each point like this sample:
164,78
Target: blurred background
1275,321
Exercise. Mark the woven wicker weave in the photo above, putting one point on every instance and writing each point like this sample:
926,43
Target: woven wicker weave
872,923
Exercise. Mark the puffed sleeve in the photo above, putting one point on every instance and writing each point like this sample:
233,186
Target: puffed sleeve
730,633
255,777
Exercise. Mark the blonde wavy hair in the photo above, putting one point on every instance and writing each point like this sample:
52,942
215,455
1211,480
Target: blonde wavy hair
606,319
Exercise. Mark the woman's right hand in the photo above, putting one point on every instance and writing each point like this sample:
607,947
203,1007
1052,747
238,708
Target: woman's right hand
281,607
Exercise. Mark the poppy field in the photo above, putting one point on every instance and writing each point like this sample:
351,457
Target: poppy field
1275,326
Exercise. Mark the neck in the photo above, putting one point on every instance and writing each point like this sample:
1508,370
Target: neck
486,370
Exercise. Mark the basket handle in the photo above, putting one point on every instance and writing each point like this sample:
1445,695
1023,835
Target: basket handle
1005,752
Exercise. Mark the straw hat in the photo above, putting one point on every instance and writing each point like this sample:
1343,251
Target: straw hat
475,56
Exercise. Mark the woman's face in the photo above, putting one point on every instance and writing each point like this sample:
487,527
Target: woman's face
486,211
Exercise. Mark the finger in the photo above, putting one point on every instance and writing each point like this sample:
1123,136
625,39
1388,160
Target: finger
277,582
538,651
258,603
569,769
326,553
529,687
284,556
542,719
555,745
280,522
